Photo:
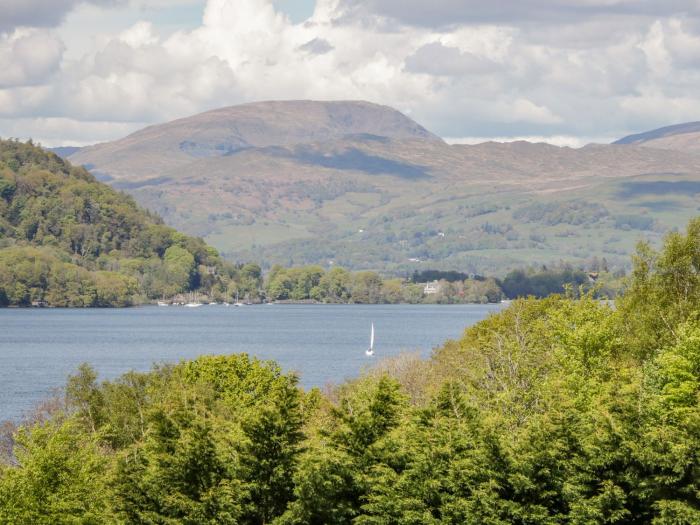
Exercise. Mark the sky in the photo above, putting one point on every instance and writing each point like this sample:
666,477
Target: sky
568,72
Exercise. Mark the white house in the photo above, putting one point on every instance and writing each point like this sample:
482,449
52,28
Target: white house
431,288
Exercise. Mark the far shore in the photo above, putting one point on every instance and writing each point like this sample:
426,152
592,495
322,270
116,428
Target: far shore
232,305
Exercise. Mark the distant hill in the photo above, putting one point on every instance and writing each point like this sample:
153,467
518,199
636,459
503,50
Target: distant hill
681,137
68,240
228,131
65,151
363,186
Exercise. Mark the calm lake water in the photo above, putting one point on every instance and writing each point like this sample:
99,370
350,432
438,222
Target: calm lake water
324,343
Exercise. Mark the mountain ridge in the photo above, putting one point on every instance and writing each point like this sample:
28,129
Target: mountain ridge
665,131
228,130
683,137
303,192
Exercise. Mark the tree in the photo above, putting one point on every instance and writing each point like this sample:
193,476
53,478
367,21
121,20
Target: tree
60,477
76,242
333,478
179,266
366,287
270,454
180,474
334,285
663,290
84,396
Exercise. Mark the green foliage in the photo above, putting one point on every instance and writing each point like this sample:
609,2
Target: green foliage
179,474
664,289
73,241
553,213
564,410
338,285
179,266
29,275
520,283
60,477
334,476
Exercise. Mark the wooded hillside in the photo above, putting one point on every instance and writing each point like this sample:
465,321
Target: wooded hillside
69,240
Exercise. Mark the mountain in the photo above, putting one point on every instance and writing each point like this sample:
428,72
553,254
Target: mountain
680,137
65,151
363,186
227,131
69,240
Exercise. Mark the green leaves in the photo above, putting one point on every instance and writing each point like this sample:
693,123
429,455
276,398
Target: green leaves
60,478
179,268
180,474
78,242
555,411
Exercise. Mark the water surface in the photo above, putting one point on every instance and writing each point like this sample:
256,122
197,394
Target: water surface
323,343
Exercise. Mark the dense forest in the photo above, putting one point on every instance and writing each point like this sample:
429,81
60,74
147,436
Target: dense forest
69,240
562,410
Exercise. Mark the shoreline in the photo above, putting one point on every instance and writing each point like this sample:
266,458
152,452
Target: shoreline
274,303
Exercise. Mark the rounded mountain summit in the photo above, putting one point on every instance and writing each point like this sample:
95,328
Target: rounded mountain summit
229,130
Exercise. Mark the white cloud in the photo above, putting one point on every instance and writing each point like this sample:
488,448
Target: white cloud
139,35
440,60
570,68
28,57
557,140
52,132
524,110
317,46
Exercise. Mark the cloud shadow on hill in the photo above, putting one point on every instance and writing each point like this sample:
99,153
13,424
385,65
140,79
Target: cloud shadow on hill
356,160
629,190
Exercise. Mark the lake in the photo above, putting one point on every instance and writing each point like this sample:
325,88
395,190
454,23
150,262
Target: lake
323,343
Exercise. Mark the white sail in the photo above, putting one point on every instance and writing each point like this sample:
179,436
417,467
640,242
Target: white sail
370,350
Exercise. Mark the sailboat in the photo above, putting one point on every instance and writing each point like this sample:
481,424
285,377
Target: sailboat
370,351
238,302
194,301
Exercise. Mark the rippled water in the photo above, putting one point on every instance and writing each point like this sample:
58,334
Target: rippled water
324,343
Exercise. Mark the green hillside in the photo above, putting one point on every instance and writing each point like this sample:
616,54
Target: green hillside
69,240
491,233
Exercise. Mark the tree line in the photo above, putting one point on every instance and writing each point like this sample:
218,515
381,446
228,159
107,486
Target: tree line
338,285
561,410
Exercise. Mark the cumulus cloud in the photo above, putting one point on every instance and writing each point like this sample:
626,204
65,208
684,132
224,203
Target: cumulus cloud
567,68
28,57
39,13
437,59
